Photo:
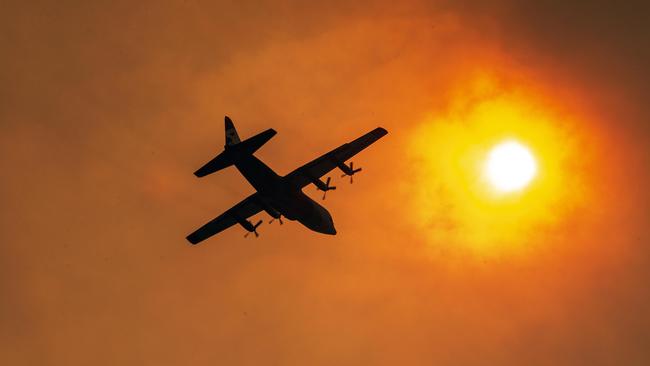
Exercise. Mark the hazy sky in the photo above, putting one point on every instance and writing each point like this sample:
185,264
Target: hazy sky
106,109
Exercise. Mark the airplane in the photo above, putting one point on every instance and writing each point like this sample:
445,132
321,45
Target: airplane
279,196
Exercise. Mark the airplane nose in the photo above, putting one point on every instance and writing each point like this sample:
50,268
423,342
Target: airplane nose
329,229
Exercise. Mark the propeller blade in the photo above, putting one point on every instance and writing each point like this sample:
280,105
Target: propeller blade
279,220
350,171
254,231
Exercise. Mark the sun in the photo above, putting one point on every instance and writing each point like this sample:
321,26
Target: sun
497,165
510,166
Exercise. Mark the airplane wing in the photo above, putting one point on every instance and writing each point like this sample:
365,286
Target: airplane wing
241,211
315,169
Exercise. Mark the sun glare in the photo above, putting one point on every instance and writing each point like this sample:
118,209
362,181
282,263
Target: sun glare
493,168
510,166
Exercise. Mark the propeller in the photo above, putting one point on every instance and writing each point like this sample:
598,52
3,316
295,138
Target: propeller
279,219
328,187
351,172
254,230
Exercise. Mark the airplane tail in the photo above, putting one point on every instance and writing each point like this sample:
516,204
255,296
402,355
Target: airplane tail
234,149
232,138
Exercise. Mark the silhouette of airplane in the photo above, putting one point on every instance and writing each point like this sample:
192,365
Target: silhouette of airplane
278,196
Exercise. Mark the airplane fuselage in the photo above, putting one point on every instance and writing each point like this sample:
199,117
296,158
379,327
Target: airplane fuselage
280,197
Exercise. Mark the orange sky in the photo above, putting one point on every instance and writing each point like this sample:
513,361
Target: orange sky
107,109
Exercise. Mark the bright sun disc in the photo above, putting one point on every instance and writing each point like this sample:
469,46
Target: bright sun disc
510,166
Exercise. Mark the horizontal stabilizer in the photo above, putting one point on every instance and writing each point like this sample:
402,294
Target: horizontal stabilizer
222,160
251,144
233,152
234,148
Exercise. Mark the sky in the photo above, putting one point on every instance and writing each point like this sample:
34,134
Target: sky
106,109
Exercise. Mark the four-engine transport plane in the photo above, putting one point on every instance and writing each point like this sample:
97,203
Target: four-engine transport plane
276,195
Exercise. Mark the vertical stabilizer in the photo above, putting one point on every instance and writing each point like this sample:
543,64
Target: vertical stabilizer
232,138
